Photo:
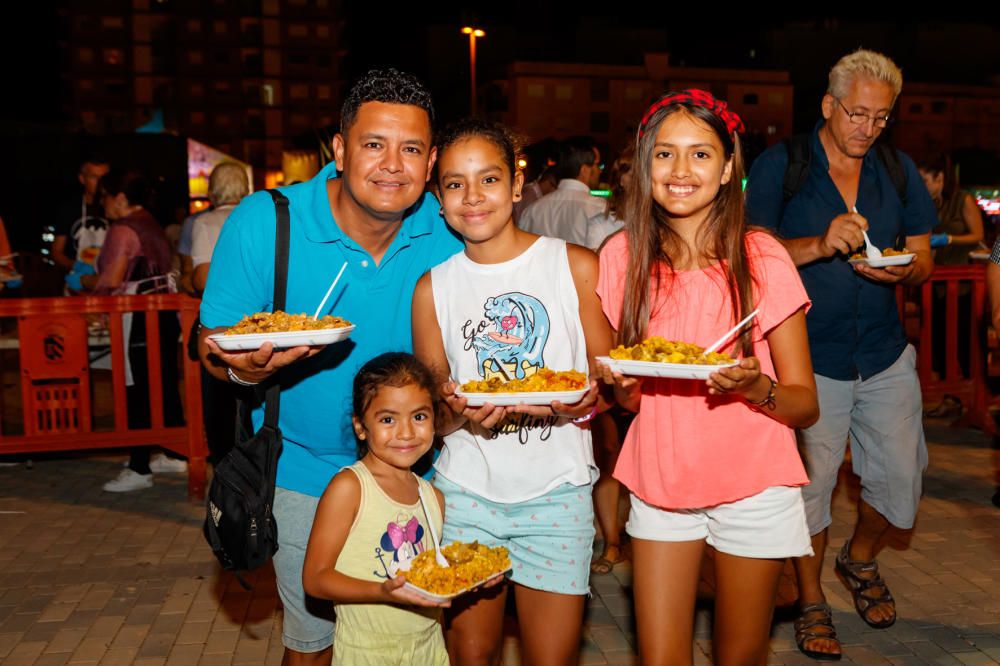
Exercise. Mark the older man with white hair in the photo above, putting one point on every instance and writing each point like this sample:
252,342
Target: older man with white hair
820,193
227,185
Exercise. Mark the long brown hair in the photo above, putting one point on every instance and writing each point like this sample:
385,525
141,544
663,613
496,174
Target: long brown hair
651,241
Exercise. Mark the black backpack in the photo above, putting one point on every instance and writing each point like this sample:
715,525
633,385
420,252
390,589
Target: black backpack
800,154
239,525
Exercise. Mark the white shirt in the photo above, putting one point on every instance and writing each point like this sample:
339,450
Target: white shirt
563,213
600,227
519,315
205,233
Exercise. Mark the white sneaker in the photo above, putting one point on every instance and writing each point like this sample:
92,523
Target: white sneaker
161,464
129,480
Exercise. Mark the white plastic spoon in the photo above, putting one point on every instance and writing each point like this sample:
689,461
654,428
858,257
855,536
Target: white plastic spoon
329,291
718,343
438,555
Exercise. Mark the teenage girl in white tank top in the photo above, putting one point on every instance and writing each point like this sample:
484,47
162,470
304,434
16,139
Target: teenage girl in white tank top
511,303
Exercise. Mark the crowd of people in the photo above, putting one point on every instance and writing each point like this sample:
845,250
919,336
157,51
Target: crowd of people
479,294
457,269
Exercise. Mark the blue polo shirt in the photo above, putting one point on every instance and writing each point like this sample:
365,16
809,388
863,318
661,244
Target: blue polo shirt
315,416
854,329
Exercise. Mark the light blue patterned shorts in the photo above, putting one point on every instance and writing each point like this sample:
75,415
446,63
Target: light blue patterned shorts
550,538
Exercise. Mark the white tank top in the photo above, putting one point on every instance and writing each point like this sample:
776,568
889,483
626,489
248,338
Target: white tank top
525,314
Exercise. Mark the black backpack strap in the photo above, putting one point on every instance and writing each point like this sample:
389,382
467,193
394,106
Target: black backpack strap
797,170
273,395
890,160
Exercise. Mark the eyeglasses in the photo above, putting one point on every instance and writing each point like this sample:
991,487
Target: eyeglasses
858,118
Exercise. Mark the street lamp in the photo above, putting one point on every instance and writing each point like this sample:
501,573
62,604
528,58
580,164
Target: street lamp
473,33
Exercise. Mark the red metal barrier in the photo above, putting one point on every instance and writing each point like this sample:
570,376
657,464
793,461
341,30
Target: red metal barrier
53,339
971,388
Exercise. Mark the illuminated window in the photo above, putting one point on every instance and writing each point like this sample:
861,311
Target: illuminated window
323,91
196,57
299,30
564,92
536,90
85,56
298,91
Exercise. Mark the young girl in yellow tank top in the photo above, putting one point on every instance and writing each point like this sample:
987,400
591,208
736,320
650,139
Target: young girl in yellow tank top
370,523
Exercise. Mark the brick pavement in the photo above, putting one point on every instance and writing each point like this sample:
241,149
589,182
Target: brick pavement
87,577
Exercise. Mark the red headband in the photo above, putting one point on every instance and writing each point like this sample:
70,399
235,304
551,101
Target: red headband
697,98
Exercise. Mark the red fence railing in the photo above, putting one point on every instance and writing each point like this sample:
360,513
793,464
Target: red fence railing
53,342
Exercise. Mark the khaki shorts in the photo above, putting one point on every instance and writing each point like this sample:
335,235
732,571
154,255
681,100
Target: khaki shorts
883,417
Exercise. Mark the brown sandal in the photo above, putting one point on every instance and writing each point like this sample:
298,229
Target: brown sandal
860,577
603,565
805,630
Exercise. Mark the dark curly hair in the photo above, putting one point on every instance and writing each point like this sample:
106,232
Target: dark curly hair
396,369
385,85
496,133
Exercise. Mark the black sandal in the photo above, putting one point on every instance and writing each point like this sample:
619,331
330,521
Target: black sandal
850,571
805,630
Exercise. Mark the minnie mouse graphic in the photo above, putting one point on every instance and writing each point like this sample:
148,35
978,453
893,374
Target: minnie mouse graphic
403,540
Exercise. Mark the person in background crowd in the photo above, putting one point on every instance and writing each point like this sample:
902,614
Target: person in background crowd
8,275
604,224
227,185
609,427
960,226
566,212
866,372
184,253
546,183
539,174
81,226
135,254
960,230
993,287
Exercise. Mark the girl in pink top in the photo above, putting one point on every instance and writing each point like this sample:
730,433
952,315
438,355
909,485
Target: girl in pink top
715,462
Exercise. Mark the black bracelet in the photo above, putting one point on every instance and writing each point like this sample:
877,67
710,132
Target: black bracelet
768,400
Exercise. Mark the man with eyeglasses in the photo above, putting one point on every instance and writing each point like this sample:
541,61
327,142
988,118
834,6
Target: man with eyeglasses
820,206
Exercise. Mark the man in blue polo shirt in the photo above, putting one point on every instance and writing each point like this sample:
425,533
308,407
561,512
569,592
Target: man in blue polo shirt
865,371
376,218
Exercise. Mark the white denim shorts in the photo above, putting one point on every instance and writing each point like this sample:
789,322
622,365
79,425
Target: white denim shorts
770,524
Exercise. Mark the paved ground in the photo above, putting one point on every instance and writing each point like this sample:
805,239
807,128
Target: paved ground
89,577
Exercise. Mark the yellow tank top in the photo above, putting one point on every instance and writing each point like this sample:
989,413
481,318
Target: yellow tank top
385,534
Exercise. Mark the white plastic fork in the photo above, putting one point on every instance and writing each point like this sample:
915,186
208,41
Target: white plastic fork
870,248
438,555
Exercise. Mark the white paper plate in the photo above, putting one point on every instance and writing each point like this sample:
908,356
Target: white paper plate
894,260
254,341
665,370
526,398
445,597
